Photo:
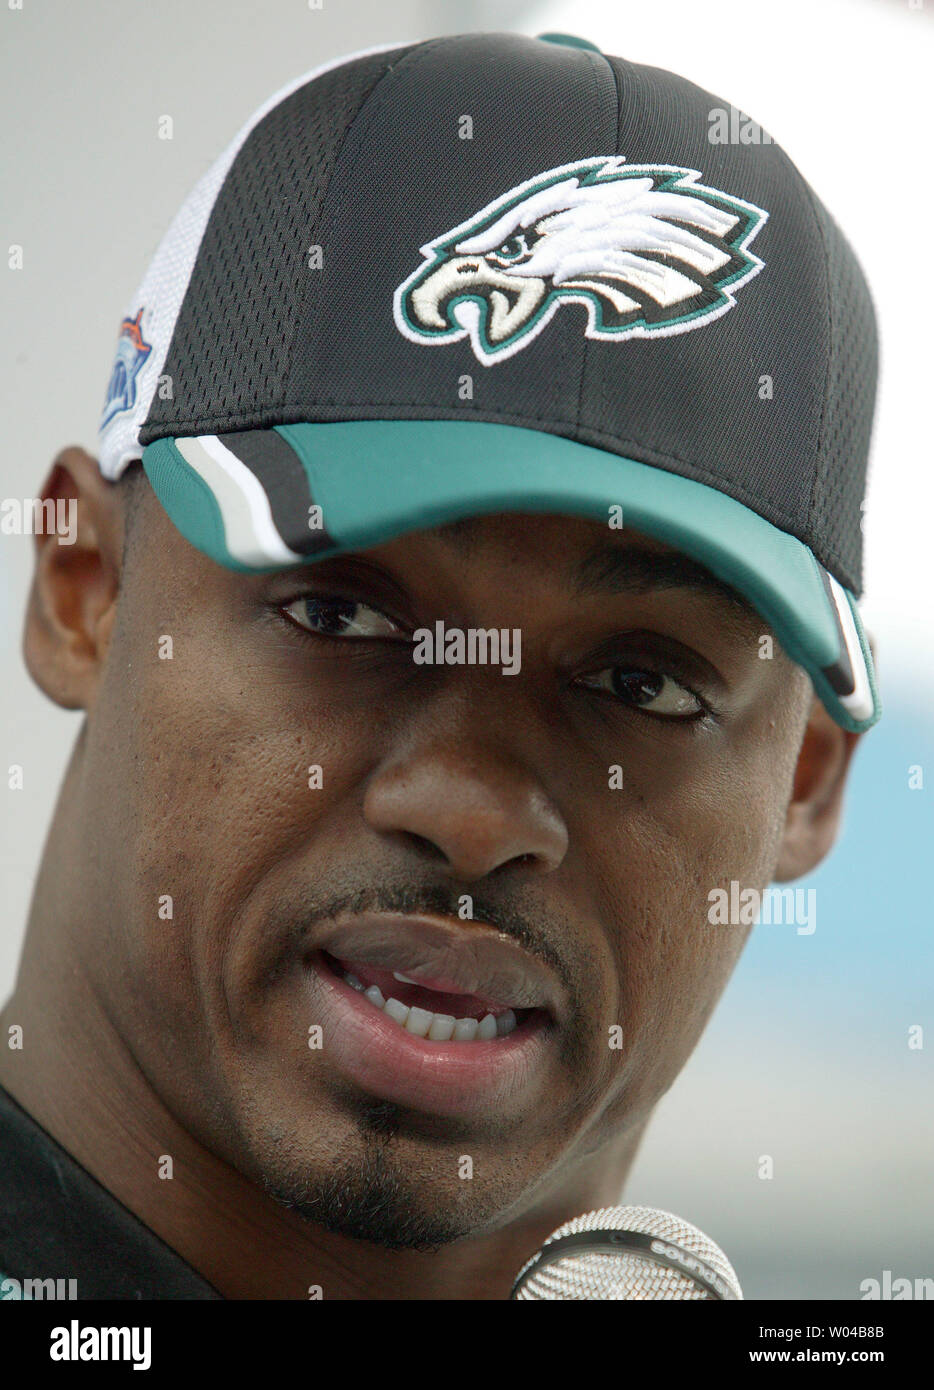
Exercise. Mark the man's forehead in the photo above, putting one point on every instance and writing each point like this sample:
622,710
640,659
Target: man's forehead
592,558
579,536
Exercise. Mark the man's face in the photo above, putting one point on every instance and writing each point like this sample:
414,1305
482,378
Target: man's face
544,840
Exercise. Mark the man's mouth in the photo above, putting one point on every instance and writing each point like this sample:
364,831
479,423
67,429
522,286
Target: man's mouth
426,1010
442,1017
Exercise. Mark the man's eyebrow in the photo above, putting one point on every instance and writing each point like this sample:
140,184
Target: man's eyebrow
631,570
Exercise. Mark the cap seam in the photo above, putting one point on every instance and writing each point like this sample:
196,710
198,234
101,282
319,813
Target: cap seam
585,354
825,390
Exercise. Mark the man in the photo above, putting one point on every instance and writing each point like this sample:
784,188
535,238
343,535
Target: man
484,605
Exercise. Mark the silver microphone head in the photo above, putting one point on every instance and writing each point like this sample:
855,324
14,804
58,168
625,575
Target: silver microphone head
628,1252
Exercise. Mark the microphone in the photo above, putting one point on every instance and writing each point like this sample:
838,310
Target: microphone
627,1252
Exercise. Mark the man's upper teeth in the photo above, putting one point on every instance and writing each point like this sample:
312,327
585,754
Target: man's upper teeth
436,1027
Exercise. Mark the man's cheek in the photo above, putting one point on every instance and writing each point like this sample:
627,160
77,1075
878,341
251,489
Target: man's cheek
676,961
229,789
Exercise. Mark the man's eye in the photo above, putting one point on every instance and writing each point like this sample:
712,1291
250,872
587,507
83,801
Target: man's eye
653,691
340,617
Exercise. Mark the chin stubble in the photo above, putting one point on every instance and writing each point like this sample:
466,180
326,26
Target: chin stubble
368,1197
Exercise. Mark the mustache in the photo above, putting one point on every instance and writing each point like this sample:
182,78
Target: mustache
535,932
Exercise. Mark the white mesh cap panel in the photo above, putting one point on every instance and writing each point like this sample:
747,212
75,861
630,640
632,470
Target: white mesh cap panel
163,287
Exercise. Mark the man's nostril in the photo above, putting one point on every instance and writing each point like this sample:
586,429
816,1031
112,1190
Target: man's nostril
424,846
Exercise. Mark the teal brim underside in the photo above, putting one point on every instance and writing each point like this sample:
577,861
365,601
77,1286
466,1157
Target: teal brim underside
378,479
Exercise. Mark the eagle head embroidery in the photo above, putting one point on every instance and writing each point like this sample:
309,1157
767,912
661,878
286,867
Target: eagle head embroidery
645,248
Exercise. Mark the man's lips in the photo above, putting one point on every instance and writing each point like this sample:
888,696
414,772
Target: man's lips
449,957
495,1079
437,996
467,968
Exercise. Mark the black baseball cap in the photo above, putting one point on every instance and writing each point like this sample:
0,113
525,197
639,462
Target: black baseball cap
491,273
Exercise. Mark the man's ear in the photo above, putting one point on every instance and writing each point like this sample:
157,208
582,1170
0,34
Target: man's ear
72,600
814,813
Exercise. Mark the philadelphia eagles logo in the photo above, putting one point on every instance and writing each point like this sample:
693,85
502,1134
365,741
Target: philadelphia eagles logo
645,248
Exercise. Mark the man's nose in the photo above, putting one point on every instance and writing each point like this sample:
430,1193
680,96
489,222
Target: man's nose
469,804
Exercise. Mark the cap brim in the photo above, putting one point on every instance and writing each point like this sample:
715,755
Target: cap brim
261,500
